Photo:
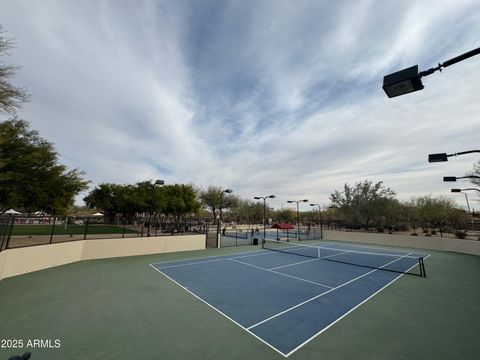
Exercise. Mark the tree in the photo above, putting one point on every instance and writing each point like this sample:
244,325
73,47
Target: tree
11,97
476,172
365,202
31,177
180,200
432,211
210,199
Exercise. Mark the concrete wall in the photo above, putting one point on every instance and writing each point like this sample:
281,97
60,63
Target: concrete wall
416,242
23,260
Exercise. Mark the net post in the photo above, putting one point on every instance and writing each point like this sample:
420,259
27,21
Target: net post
263,243
422,268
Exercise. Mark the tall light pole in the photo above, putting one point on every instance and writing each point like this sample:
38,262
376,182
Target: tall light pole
466,197
298,214
157,182
226,191
320,218
264,208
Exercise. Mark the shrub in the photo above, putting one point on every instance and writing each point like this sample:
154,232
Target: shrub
434,232
401,227
414,234
461,234
380,229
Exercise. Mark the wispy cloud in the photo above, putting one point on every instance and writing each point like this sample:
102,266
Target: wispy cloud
262,96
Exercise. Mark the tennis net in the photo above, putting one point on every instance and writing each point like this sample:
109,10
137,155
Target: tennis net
399,263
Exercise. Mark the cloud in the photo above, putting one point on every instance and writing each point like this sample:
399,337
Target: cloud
260,96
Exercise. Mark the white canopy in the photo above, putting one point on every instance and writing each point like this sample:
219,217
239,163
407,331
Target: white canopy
12,212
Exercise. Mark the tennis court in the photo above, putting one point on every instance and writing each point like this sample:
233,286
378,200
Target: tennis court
288,296
121,308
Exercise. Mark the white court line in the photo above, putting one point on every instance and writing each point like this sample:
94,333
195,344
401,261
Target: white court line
297,263
279,273
208,257
192,263
320,295
221,313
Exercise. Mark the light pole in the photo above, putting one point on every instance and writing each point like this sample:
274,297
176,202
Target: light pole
264,208
298,214
157,182
320,217
466,197
409,80
226,191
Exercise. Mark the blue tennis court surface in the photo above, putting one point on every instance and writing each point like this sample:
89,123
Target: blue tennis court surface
286,299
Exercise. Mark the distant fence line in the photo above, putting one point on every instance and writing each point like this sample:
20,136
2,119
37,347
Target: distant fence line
21,231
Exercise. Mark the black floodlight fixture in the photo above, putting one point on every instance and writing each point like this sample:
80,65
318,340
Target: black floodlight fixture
409,80
437,157
444,156
159,182
449,178
455,178
228,191
402,82
468,189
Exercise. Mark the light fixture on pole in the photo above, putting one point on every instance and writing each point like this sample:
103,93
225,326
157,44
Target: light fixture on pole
157,182
298,214
455,178
219,225
409,80
320,218
439,157
264,208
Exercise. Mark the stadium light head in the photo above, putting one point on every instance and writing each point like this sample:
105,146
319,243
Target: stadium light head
456,190
437,157
304,200
257,197
409,80
272,196
402,82
290,201
228,191
159,182
449,178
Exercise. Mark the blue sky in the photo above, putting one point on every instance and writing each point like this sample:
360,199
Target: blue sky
263,97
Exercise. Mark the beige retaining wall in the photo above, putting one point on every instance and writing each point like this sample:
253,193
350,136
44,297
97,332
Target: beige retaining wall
417,242
23,260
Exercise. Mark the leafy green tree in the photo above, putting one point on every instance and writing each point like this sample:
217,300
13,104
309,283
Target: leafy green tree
31,177
210,199
11,97
433,211
286,215
180,200
365,203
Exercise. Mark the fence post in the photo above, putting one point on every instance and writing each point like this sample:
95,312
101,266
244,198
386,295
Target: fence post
86,229
53,229
123,230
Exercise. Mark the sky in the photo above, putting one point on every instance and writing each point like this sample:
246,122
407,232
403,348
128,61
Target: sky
264,97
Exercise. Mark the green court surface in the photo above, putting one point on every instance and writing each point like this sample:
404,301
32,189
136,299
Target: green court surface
123,309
